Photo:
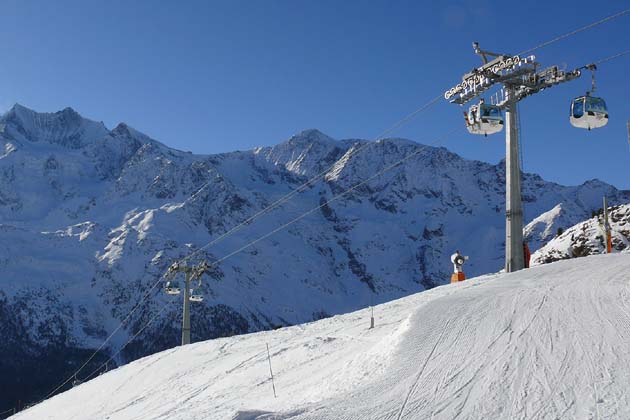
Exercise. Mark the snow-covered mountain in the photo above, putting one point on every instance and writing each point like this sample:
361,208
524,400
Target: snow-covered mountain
91,218
588,238
549,342
547,225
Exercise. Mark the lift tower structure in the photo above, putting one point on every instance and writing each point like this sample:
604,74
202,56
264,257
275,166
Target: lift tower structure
190,273
518,78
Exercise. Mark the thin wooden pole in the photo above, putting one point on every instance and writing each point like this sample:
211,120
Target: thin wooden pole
271,372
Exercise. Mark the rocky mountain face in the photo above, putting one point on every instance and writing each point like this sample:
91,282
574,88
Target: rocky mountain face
90,218
588,237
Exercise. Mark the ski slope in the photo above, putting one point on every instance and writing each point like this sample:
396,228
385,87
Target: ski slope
549,342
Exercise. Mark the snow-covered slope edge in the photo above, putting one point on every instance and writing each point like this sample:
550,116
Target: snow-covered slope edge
547,342
587,237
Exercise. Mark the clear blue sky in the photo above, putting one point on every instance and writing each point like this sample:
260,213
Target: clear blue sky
215,76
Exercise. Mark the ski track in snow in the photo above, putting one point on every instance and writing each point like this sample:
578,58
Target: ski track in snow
548,342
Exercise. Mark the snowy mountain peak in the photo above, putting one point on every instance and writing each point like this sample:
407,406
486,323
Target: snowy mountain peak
594,182
306,153
312,135
128,132
29,118
66,128
122,129
400,142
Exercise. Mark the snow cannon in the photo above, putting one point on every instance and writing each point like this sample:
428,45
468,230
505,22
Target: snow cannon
458,260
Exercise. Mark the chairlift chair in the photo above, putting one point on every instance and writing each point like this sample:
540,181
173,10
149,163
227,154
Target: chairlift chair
196,298
588,112
484,119
172,288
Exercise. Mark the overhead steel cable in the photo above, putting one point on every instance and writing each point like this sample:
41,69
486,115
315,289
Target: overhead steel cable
311,181
7,411
612,57
576,31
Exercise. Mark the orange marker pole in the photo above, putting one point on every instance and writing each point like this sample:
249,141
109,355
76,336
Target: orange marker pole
609,242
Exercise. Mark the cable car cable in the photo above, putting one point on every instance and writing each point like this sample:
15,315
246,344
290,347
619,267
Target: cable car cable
612,57
5,412
584,28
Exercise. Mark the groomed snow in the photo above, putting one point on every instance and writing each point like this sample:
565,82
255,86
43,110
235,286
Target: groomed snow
549,342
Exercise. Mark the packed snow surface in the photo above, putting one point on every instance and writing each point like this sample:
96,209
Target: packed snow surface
548,342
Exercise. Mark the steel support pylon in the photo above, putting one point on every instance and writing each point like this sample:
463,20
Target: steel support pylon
186,315
521,77
514,257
